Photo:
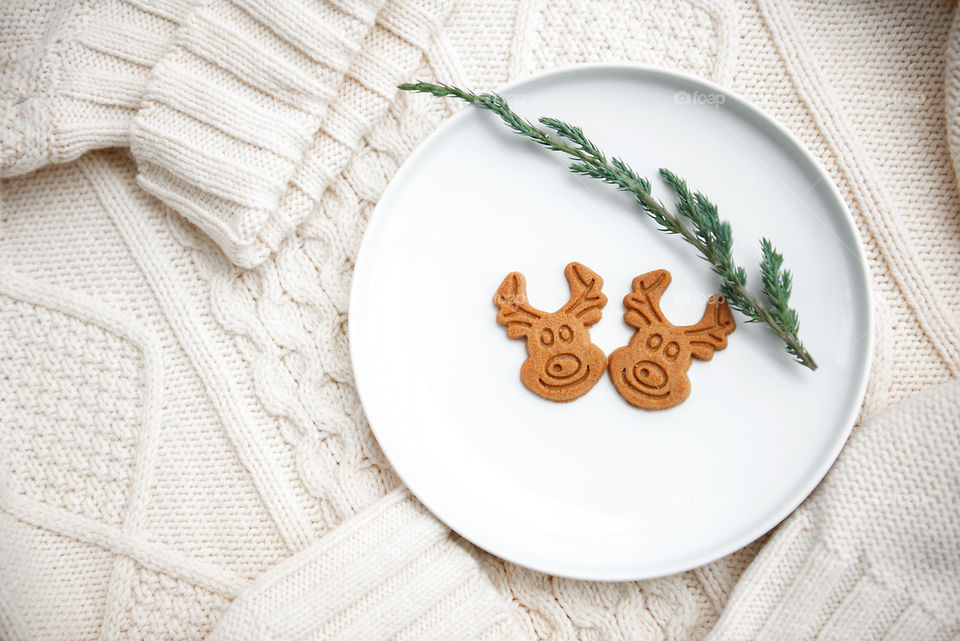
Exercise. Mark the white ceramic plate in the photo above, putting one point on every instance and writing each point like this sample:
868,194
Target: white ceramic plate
596,489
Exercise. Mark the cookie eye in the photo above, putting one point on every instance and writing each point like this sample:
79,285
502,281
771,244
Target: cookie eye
654,341
546,336
671,350
565,333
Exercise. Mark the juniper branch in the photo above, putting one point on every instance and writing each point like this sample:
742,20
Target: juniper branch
697,219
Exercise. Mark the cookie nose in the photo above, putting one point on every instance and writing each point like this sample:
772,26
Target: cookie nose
650,375
562,366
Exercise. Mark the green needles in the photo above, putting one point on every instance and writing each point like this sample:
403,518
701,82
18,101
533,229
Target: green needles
696,220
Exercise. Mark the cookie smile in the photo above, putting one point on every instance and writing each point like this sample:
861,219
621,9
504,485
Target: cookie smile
631,385
563,384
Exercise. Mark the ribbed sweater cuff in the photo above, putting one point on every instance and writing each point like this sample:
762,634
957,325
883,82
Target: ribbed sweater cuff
798,588
389,55
83,89
391,572
230,110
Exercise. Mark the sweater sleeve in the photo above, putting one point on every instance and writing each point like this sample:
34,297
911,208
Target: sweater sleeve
391,572
72,74
872,554
255,109
239,113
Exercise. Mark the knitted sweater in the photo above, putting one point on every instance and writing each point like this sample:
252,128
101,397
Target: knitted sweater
185,184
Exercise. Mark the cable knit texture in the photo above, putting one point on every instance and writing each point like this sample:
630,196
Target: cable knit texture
182,450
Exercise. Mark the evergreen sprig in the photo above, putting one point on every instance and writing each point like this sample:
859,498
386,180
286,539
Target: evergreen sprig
697,220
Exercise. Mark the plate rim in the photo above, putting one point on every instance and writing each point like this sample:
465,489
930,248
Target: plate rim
790,503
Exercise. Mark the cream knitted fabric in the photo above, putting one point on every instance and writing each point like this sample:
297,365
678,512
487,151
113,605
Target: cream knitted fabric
231,109
336,589
951,101
222,105
225,395
72,74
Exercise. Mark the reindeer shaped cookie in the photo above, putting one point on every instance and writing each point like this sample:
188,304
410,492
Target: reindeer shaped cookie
562,364
650,372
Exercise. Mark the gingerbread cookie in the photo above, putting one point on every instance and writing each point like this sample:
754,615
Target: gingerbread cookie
562,364
650,372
